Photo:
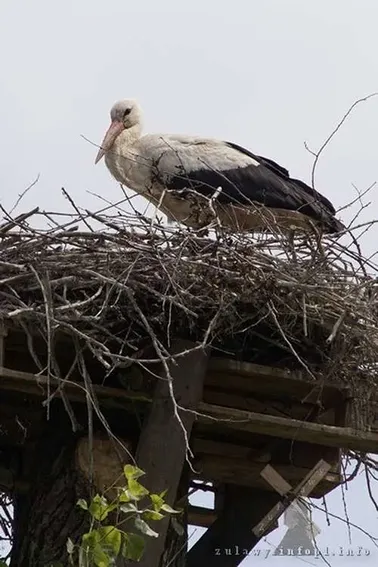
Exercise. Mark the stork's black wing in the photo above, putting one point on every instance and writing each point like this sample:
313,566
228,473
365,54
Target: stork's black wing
266,161
201,168
284,173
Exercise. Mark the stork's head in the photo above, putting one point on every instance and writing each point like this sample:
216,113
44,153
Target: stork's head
123,115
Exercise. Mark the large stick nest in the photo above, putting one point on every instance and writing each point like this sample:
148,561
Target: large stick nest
117,284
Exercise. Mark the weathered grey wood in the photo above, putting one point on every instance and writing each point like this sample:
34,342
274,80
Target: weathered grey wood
246,472
286,428
240,375
304,488
232,530
162,449
247,401
241,420
275,480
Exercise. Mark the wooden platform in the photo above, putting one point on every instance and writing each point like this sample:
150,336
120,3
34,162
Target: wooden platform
250,416
243,417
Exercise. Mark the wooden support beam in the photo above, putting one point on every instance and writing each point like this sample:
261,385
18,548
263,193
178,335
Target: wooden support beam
162,447
275,382
286,428
283,451
249,402
217,469
229,539
304,488
202,517
239,420
248,473
36,384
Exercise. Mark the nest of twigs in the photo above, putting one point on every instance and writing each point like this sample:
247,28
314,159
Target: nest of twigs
118,283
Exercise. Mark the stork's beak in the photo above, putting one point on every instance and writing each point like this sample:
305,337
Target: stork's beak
113,131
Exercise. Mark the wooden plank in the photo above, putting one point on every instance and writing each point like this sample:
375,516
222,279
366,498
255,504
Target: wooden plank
275,480
328,435
243,507
246,401
162,448
230,450
229,374
28,383
239,420
248,473
250,369
261,449
221,469
202,517
277,382
304,488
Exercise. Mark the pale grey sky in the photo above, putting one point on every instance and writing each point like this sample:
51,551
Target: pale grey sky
268,75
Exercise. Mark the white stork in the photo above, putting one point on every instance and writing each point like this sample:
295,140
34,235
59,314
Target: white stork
197,180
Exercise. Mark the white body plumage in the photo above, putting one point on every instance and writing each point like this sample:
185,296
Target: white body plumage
194,179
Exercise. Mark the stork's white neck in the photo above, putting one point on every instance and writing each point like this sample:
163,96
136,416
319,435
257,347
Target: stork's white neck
120,159
129,136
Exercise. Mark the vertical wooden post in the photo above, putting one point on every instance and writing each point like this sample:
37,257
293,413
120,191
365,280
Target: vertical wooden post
229,539
161,449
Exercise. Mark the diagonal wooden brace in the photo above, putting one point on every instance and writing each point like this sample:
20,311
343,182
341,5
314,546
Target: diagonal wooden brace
289,494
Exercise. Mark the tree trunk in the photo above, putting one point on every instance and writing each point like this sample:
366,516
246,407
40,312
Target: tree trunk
58,467
47,515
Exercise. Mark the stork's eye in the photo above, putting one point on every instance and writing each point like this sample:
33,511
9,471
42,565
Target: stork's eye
127,112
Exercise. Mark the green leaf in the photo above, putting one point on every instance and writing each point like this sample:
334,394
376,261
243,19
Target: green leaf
124,496
169,510
110,540
90,540
99,508
157,501
3,564
82,503
70,547
131,472
143,527
128,507
92,544
136,490
133,546
100,558
152,515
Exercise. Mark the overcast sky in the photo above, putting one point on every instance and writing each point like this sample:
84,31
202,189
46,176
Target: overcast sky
266,74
